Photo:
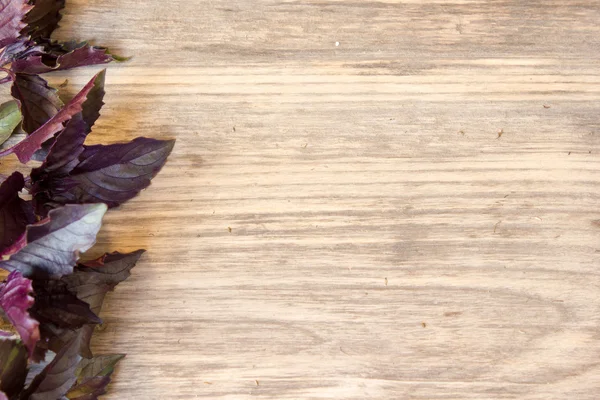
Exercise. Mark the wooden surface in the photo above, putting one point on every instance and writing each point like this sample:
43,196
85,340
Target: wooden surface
411,187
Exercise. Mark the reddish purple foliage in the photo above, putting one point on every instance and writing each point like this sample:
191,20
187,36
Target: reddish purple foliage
52,300
15,301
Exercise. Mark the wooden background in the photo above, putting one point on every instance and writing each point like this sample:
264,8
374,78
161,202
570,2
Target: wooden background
367,199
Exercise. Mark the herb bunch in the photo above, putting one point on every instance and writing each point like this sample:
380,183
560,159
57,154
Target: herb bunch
50,301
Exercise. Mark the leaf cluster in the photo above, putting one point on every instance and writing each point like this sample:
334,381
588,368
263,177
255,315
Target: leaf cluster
51,300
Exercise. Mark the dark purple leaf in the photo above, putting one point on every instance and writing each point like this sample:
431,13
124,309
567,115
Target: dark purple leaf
63,155
28,146
94,101
53,245
111,174
93,375
38,101
79,57
15,213
64,152
54,338
43,19
11,15
51,178
91,280
56,304
57,378
13,367
15,300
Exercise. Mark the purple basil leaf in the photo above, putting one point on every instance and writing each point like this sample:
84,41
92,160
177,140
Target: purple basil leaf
57,378
73,137
43,18
51,178
79,57
13,367
11,15
38,101
54,338
91,280
93,375
53,245
111,174
64,151
94,101
56,304
63,155
28,146
15,213
15,301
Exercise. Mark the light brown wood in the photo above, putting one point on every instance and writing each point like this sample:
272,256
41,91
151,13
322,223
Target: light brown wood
411,187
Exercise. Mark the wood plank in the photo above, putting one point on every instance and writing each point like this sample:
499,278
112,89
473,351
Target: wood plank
410,187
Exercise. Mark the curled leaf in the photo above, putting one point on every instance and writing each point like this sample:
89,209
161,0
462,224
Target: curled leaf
81,56
15,300
62,157
53,245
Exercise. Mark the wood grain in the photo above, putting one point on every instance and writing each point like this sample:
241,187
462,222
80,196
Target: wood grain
411,187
